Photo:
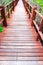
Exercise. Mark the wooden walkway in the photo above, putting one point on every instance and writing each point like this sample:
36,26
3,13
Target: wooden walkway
18,45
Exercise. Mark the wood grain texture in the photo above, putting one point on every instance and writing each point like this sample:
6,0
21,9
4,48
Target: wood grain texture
18,45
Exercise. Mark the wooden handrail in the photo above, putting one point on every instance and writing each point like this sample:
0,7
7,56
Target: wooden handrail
33,16
3,20
41,24
39,14
12,5
8,4
3,15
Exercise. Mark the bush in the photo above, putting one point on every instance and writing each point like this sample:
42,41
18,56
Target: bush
1,28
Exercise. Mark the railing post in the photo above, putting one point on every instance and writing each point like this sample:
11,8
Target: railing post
8,11
33,15
41,25
3,16
13,5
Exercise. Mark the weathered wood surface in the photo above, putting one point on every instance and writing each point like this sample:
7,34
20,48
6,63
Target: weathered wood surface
18,45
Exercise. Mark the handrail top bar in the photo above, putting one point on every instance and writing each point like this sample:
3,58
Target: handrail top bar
31,5
5,5
39,14
39,32
8,3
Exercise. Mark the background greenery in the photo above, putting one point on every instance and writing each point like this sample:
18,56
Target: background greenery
4,2
38,3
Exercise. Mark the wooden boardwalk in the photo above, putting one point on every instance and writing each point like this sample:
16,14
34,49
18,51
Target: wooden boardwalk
18,45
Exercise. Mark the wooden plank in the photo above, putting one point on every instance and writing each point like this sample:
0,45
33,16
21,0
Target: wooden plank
18,40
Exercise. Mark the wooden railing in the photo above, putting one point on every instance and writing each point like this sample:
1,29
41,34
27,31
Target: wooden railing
16,1
6,10
36,19
2,16
9,8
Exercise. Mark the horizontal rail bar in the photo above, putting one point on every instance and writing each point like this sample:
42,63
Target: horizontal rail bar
33,13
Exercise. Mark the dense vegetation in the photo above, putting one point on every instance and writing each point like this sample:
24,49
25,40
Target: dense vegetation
39,4
5,1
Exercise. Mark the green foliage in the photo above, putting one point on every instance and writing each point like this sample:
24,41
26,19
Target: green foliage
39,2
4,2
1,28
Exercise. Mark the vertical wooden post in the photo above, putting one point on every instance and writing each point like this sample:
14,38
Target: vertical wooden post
8,10
13,5
33,15
41,25
3,16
